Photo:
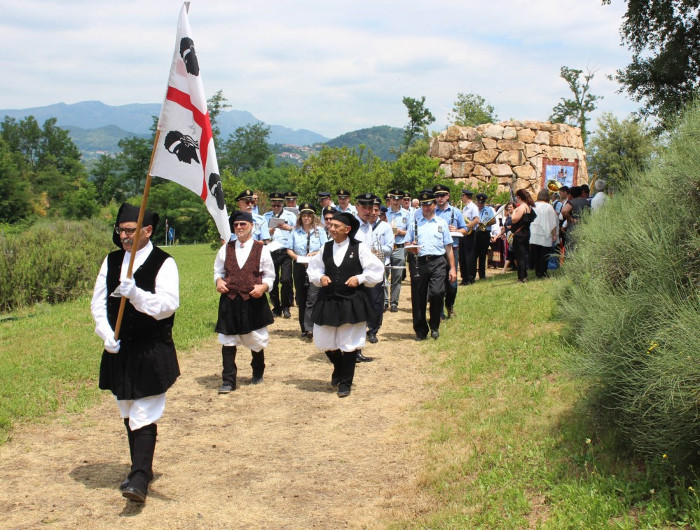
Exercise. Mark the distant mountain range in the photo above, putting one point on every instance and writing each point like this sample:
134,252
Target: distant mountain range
97,128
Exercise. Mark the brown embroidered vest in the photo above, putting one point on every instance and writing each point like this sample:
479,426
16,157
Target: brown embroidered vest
240,281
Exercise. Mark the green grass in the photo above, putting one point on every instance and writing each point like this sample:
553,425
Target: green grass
509,446
50,355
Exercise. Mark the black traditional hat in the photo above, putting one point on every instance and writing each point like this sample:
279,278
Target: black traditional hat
349,220
240,215
129,213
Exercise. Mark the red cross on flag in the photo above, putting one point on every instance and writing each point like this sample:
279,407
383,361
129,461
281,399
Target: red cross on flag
184,152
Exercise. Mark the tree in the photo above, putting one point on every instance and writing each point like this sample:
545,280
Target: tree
356,169
215,105
574,111
470,110
419,119
618,149
664,37
15,196
247,148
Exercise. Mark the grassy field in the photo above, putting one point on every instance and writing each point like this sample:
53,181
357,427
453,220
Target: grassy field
506,440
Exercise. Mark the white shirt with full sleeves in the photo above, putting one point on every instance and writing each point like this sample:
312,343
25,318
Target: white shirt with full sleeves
267,266
372,268
158,305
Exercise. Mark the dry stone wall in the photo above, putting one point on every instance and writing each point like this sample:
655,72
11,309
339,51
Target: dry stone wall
511,151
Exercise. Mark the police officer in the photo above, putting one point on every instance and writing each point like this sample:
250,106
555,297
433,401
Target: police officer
455,221
487,217
382,246
246,203
398,218
470,213
432,246
281,223
344,202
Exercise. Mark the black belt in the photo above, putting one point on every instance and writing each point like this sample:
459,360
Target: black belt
279,250
425,259
399,245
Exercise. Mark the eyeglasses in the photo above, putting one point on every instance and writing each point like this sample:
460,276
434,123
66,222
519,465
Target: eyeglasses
248,201
328,219
240,223
127,231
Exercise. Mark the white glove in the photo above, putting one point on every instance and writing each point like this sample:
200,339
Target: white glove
128,288
112,345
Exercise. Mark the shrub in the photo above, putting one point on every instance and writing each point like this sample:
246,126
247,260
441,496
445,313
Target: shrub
632,303
50,261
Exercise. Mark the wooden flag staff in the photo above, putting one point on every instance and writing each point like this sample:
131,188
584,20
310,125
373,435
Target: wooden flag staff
137,235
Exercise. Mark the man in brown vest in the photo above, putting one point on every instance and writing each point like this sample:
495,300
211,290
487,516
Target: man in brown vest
243,273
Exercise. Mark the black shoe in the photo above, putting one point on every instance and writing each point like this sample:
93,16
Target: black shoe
343,391
277,312
394,309
226,388
286,313
362,359
372,338
124,484
256,380
435,334
134,494
421,337
450,312
385,308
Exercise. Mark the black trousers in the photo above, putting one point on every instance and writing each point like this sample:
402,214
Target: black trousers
428,286
451,287
540,256
520,251
466,258
376,298
282,294
301,284
481,249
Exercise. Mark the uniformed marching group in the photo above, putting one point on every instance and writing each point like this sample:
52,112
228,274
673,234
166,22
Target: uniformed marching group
343,266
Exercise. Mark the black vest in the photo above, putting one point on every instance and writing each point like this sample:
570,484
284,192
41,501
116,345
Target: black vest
136,325
350,266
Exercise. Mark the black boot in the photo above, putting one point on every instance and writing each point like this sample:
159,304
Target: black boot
228,374
142,463
130,436
258,366
347,362
334,357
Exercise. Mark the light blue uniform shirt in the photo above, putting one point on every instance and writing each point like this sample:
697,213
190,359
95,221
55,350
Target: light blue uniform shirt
400,220
281,236
302,243
486,214
351,209
452,216
433,235
260,231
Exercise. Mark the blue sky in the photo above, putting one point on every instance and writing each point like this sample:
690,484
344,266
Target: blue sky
328,66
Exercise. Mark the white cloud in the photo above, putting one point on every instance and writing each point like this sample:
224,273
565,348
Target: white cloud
326,66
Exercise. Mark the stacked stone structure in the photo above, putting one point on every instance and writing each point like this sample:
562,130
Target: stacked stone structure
511,151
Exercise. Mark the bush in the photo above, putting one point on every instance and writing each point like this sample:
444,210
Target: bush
51,261
632,303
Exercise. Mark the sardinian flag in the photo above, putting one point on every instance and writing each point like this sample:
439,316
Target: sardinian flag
185,149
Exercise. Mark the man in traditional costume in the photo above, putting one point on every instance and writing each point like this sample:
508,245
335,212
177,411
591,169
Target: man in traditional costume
140,366
243,273
342,270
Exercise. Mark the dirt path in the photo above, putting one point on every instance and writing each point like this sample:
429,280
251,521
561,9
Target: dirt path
284,454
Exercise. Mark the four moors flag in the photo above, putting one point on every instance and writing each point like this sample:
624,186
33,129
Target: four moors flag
184,151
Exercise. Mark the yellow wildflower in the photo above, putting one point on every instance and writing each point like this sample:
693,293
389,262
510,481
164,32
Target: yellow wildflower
653,346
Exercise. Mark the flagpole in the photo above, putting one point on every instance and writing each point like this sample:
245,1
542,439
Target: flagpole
137,234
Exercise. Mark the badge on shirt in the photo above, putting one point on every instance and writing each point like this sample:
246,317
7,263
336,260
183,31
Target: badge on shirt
439,230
